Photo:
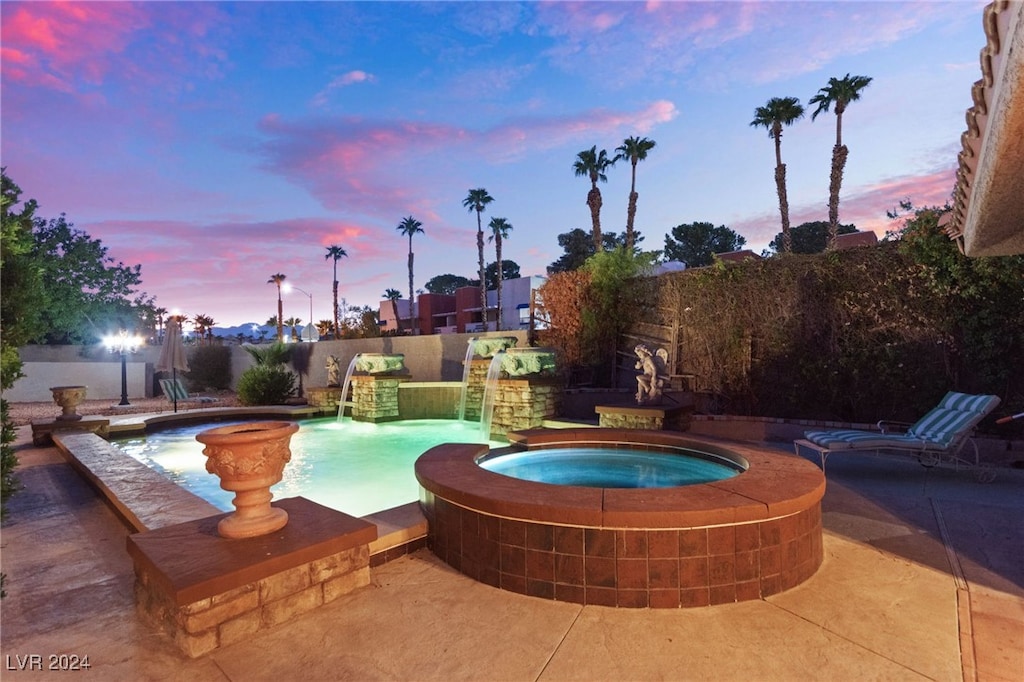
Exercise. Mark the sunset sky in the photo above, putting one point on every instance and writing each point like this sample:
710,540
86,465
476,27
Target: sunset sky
218,143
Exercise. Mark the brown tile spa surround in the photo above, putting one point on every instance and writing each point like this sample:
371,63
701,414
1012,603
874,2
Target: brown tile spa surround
742,538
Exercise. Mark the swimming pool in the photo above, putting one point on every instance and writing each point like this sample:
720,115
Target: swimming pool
354,467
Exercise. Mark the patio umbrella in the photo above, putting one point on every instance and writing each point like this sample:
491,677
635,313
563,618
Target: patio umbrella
172,356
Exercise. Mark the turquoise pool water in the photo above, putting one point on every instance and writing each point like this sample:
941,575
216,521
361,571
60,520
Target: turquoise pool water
354,467
610,467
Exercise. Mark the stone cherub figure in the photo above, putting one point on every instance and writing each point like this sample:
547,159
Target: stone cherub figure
654,367
333,371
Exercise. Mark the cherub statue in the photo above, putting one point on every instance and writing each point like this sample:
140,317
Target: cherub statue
333,371
654,367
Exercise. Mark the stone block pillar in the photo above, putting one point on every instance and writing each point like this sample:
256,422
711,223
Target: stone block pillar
375,397
523,404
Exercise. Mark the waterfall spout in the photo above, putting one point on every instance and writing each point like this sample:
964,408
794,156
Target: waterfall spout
465,378
344,387
490,391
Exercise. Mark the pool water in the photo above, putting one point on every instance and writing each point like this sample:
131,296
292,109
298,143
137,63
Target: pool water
354,467
609,467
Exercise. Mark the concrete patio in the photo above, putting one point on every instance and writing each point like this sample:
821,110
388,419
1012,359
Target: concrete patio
923,578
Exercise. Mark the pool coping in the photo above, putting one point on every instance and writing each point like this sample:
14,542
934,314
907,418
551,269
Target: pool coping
789,485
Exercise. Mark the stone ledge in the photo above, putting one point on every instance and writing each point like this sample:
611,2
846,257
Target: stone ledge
206,591
43,429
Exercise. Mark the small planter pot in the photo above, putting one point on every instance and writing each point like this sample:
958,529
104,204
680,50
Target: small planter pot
249,459
69,398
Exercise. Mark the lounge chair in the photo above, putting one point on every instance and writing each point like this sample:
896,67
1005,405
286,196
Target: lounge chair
938,436
174,389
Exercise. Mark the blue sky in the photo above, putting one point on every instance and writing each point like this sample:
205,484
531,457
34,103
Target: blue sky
219,143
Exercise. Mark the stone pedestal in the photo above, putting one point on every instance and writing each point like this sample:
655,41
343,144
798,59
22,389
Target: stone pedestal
43,429
206,591
375,398
523,404
478,368
325,398
651,417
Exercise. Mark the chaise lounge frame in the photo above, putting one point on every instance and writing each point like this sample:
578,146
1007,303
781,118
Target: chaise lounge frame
937,438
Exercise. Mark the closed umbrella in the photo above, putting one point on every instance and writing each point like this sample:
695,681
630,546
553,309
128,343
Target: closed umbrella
172,356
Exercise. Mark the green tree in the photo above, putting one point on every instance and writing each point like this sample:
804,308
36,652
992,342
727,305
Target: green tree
592,164
696,243
86,293
409,227
635,149
778,112
335,253
476,201
509,270
809,237
446,284
838,93
393,295
579,246
278,279
22,299
500,229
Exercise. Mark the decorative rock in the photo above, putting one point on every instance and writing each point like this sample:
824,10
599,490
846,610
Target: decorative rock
487,347
523,362
380,363
249,459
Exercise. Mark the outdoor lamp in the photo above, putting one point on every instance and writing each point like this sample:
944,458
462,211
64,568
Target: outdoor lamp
123,344
313,334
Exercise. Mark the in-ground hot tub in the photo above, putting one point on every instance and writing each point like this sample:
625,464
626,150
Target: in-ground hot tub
743,537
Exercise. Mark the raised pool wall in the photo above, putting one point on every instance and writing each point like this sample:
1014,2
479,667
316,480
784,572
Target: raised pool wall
743,538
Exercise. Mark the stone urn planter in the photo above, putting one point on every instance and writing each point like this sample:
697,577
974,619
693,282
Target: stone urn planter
249,459
69,398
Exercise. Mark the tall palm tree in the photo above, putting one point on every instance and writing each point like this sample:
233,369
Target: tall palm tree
393,295
778,112
499,231
335,252
477,200
593,165
839,92
635,149
410,226
279,279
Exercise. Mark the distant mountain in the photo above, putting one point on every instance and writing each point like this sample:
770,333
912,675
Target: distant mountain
251,330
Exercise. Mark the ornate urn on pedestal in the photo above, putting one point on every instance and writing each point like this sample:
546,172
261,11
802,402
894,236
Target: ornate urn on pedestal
249,459
69,398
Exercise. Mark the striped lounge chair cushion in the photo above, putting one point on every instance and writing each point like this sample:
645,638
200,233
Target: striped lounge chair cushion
852,439
955,415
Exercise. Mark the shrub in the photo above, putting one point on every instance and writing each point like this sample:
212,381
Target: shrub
209,368
266,385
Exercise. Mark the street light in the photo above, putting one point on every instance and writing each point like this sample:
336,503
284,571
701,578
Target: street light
312,334
123,344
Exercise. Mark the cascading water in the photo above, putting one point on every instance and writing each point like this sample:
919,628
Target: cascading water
465,378
490,391
345,385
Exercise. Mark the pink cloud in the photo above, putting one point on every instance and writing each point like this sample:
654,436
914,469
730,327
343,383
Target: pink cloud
61,43
864,207
383,167
345,79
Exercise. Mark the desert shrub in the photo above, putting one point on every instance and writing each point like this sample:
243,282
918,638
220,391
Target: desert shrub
209,368
266,385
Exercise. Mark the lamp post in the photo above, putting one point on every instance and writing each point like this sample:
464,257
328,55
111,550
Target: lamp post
313,334
123,344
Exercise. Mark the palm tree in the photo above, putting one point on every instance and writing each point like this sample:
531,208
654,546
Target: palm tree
410,226
476,200
499,231
335,252
839,92
204,326
323,327
635,149
279,279
593,165
393,295
294,322
778,112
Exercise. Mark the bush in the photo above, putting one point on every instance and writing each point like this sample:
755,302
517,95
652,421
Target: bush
266,385
209,368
